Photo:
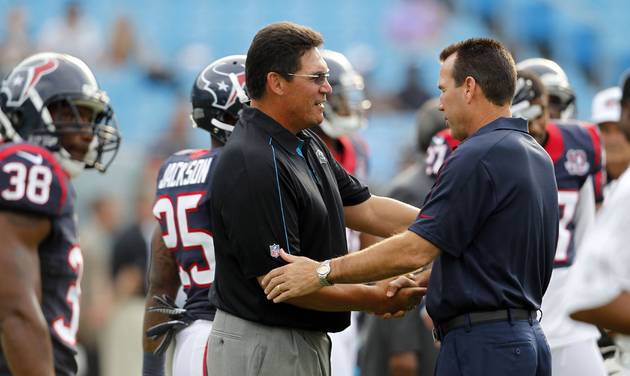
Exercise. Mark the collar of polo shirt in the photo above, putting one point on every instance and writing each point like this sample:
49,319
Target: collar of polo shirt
287,140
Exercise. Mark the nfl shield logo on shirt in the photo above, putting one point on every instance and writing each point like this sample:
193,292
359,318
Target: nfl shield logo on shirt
274,250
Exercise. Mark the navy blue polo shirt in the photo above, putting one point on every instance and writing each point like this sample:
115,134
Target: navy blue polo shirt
493,212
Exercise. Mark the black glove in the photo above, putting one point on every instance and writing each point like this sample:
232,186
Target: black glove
168,329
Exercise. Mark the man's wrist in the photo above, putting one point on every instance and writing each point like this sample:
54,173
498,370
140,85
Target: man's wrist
368,298
423,269
323,272
375,300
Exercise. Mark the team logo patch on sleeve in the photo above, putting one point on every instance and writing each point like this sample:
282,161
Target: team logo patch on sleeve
577,162
274,250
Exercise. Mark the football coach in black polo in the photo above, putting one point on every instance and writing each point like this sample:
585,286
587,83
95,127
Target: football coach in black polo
490,223
276,186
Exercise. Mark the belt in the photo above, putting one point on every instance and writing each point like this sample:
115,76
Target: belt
440,330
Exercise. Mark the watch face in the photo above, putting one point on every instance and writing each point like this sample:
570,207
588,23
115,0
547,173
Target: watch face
323,269
322,272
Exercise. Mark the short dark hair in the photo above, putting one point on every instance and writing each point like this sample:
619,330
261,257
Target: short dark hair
489,63
277,47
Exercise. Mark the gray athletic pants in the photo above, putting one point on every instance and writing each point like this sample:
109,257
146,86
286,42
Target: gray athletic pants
238,347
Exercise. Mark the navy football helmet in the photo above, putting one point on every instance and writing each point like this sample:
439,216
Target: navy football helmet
346,107
47,81
561,94
218,96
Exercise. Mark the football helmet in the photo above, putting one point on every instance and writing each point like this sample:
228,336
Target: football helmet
49,80
345,109
561,94
218,96
523,96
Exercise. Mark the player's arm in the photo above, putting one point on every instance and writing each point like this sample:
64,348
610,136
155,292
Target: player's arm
24,333
366,240
399,254
375,215
613,315
163,280
358,297
381,216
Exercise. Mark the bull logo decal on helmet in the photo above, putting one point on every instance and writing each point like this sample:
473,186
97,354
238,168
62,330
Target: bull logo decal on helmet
225,91
21,80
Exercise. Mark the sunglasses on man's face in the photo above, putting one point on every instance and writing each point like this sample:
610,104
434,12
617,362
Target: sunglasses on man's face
317,78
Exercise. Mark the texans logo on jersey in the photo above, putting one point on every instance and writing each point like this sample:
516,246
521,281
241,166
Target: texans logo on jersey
226,90
21,80
577,162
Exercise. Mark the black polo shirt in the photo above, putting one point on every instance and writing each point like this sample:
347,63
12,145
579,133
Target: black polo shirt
273,189
493,212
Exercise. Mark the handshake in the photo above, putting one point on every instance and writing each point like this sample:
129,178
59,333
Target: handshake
388,298
405,288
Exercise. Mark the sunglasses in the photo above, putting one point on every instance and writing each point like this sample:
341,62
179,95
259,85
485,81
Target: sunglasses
318,78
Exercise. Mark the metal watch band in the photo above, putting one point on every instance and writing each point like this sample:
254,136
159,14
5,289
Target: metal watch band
322,272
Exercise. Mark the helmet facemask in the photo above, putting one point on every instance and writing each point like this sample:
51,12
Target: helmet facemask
345,110
81,131
560,92
53,100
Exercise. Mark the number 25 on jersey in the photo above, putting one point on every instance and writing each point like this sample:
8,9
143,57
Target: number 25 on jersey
180,237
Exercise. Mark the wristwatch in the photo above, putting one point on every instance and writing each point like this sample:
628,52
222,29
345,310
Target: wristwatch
322,272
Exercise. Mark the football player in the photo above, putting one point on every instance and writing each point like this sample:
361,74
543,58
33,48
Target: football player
606,112
54,121
559,91
575,150
599,292
182,250
442,144
344,115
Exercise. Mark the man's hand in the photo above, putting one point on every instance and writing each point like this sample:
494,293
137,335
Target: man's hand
421,279
298,278
405,298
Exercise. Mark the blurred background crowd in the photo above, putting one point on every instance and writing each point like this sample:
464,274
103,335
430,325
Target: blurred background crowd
146,54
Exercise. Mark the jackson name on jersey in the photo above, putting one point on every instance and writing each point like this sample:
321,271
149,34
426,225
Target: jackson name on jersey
182,209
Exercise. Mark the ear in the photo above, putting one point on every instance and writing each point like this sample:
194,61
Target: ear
470,85
276,83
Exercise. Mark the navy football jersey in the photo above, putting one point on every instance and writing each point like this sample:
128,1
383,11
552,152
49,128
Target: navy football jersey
182,206
442,143
576,152
32,181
